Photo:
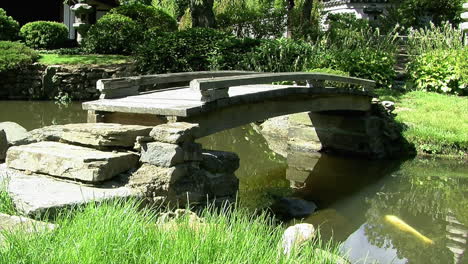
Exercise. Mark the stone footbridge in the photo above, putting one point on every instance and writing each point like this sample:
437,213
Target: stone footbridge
225,99
140,139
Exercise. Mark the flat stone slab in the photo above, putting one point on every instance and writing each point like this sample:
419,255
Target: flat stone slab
13,222
167,155
13,131
103,135
68,161
174,133
35,194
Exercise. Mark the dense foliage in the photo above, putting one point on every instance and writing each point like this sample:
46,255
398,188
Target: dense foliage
432,38
147,16
230,53
358,50
186,50
419,13
252,18
113,34
175,8
44,34
442,71
9,28
438,60
14,55
280,55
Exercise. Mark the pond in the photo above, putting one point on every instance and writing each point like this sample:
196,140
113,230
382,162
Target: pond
413,211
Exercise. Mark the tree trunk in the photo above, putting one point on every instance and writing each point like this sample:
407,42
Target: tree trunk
202,13
290,6
306,11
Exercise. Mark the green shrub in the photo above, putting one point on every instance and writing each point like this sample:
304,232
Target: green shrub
442,71
368,63
147,16
113,34
353,46
230,53
345,21
186,50
280,55
9,28
14,55
44,34
432,38
252,23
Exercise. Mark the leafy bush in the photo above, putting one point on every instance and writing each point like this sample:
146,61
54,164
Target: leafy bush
365,63
345,22
175,8
254,18
14,55
113,34
230,53
353,46
442,71
9,28
44,34
281,55
432,38
147,16
186,50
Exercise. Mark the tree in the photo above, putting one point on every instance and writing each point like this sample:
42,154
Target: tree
418,13
202,13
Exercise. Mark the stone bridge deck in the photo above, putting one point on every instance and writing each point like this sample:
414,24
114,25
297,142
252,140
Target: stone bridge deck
224,102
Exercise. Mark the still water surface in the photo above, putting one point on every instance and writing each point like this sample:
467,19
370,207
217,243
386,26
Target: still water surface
412,211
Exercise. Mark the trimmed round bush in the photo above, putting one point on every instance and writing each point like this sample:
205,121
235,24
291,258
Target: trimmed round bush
44,34
15,55
113,34
147,16
9,28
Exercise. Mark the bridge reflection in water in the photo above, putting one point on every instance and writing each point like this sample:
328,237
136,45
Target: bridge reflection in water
355,195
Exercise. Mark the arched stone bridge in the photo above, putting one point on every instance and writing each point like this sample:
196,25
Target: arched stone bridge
224,99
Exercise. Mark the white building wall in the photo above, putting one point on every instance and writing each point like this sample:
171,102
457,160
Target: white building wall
355,8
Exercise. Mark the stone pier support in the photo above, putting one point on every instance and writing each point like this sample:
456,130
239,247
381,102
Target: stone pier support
176,171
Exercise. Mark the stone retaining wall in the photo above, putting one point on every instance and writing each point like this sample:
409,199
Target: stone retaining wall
39,81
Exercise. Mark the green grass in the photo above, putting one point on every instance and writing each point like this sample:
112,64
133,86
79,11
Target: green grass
435,123
120,233
50,59
6,203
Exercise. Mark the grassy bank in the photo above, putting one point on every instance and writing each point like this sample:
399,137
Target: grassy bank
120,233
435,123
6,203
50,59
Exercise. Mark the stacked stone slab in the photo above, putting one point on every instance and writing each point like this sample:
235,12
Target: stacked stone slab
65,166
371,134
39,81
177,171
